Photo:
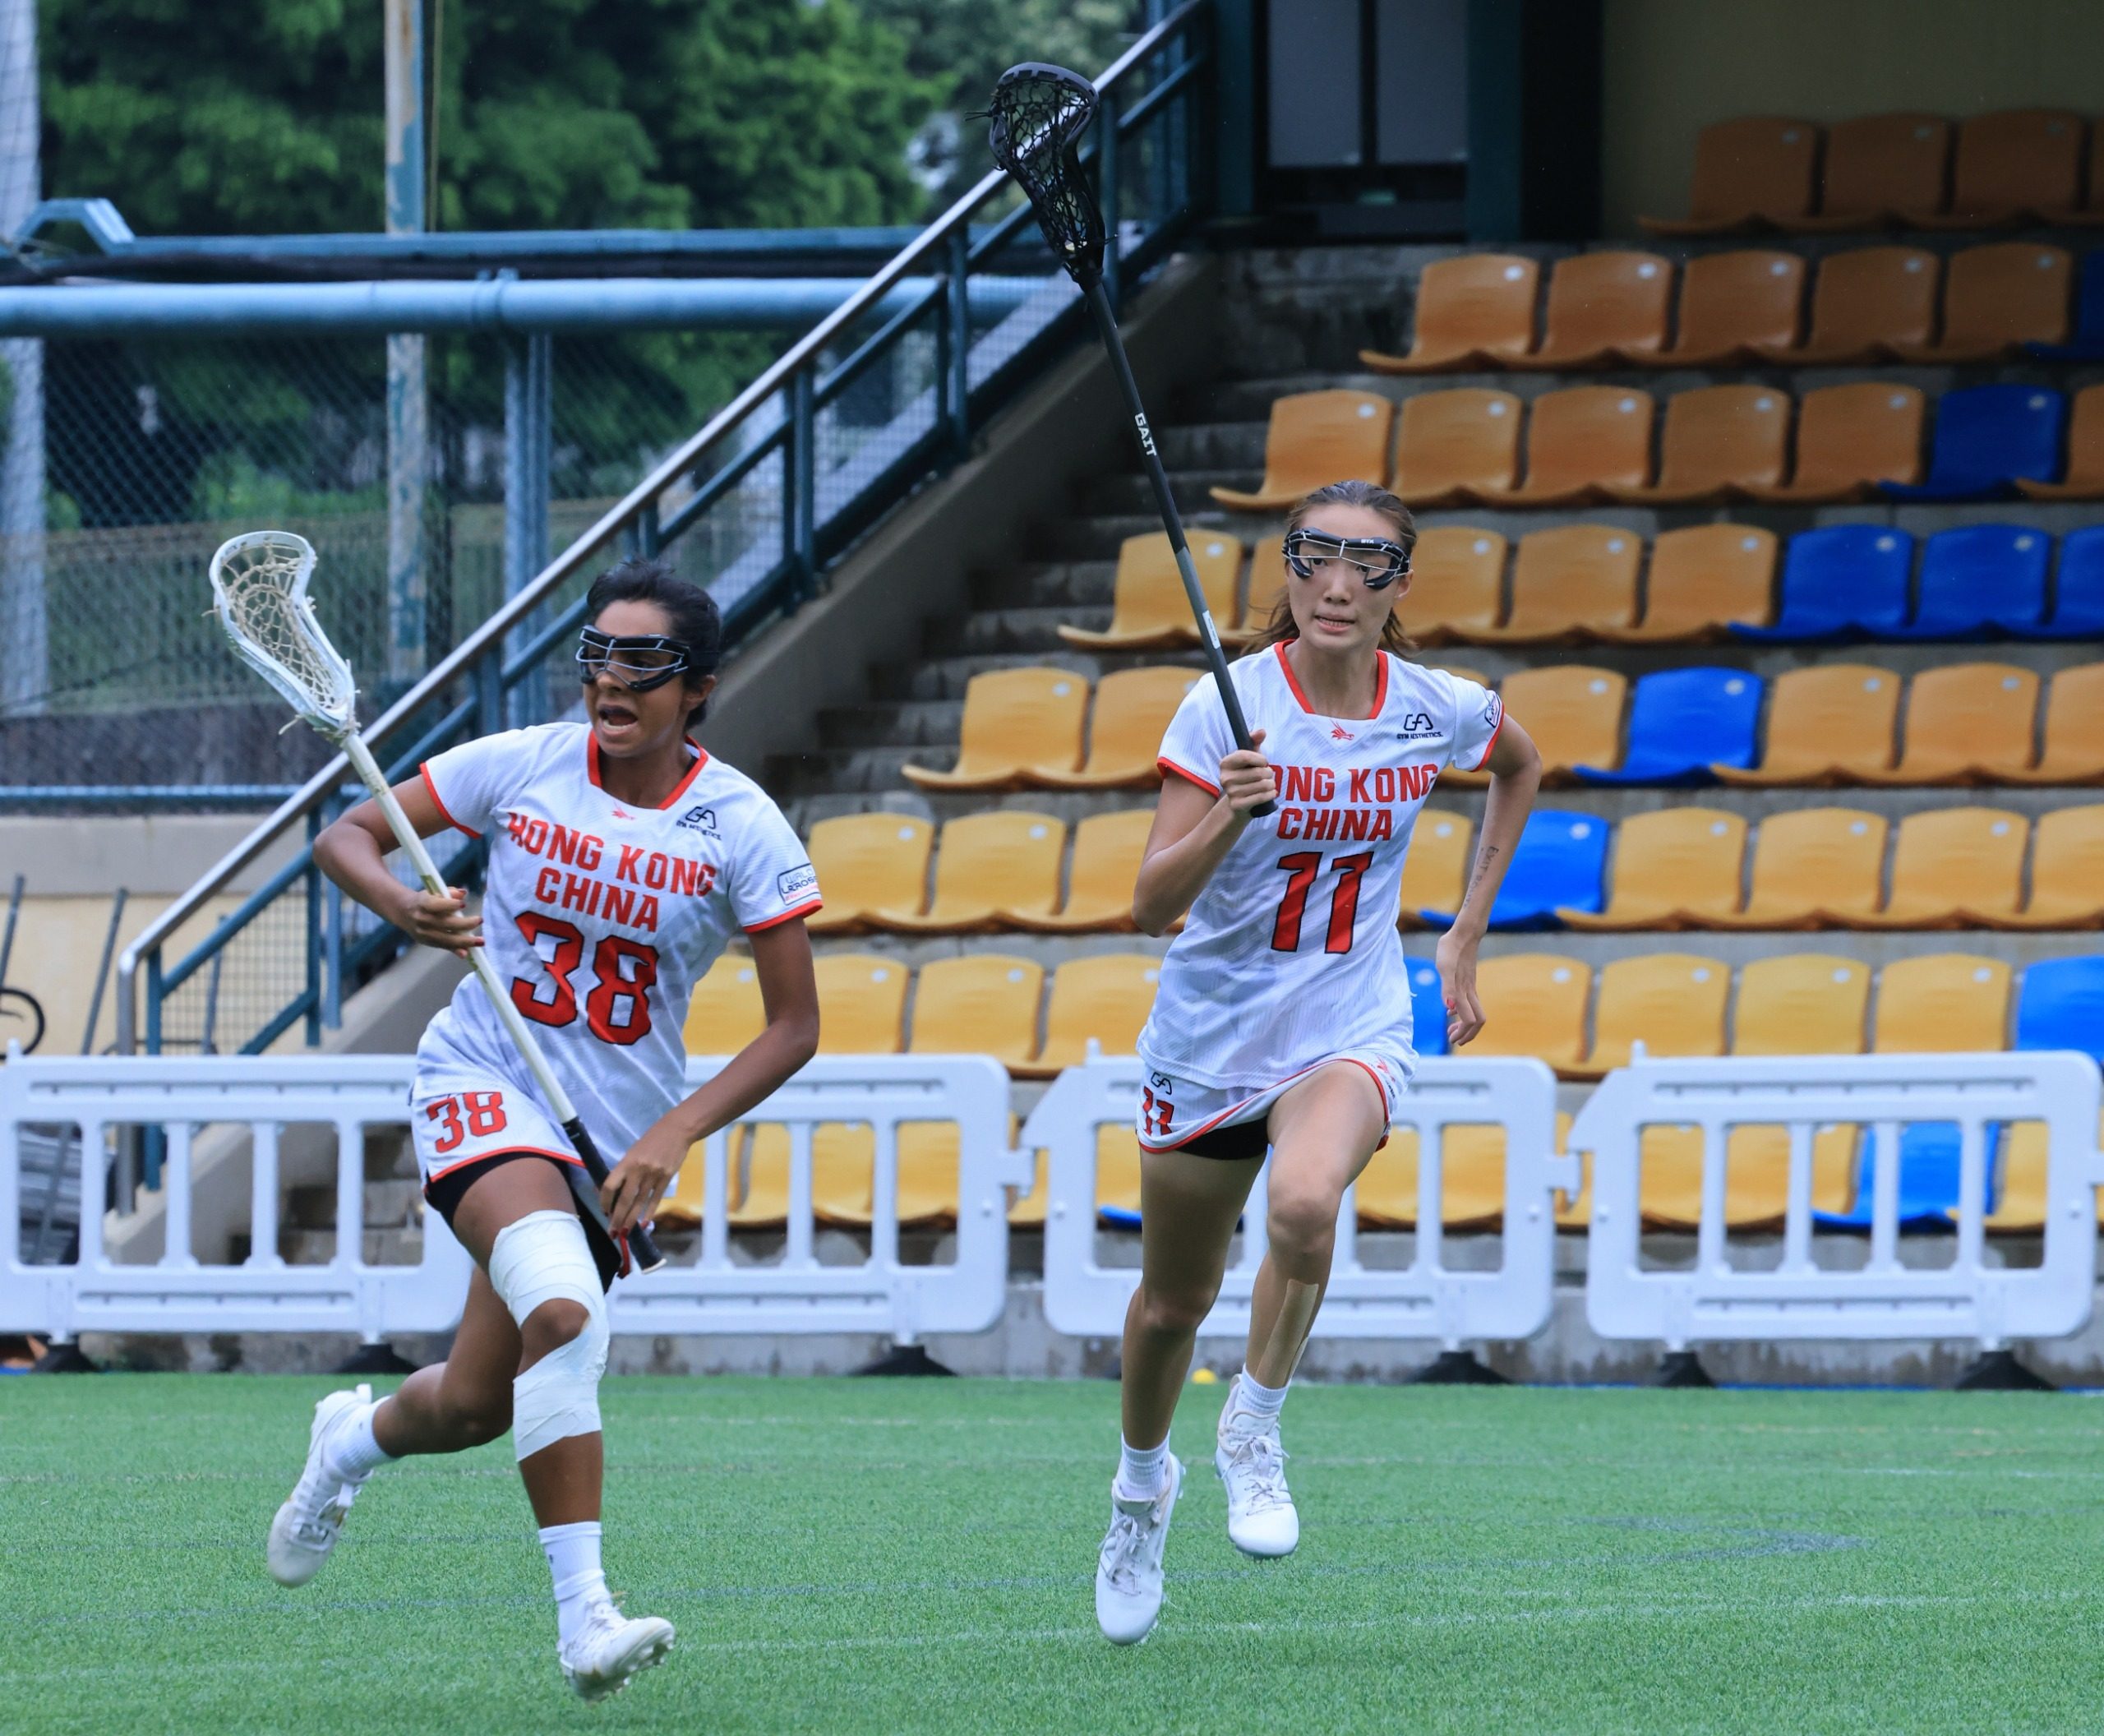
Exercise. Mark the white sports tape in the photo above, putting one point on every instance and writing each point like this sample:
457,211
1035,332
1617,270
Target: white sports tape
543,1256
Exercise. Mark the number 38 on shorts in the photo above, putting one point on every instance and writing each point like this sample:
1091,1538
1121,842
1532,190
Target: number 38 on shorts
454,1127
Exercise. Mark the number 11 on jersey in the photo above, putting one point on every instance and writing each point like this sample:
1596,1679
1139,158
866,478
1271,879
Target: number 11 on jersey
1301,870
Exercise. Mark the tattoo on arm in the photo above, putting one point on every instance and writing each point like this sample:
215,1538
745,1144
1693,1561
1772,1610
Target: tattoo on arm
1484,858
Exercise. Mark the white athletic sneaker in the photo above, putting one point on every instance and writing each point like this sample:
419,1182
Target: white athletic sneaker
1129,1568
308,1524
612,1651
1260,1519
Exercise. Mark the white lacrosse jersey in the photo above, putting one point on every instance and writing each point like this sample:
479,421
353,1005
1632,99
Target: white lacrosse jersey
602,916
1289,955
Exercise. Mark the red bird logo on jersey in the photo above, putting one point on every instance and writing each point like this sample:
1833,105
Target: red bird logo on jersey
1338,732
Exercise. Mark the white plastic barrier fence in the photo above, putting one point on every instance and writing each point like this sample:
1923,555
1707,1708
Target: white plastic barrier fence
179,1293
1425,1299
796,1294
1717,1299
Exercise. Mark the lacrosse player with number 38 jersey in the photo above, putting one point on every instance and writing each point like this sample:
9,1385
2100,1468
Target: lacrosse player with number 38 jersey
622,857
1282,1021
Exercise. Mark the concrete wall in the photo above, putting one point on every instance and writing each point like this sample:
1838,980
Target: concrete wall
1674,66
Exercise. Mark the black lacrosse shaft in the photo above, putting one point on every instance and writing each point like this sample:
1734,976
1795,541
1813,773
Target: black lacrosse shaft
642,1249
1172,521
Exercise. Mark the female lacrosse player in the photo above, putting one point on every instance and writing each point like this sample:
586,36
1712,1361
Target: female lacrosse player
621,859
1282,1020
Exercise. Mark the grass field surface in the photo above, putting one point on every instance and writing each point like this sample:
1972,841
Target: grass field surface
916,1555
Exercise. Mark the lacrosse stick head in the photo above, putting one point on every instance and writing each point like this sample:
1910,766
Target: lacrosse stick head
259,594
1035,122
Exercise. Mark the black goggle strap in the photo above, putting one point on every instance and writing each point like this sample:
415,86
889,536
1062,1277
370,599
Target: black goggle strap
598,652
1380,562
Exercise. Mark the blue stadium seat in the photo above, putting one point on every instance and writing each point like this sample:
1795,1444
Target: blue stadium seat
2060,1006
1561,862
1428,1008
2086,344
1985,435
1929,1152
1844,579
1684,721
2078,587
1981,579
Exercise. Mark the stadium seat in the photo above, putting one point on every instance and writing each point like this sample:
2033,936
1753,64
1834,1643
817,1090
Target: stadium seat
1454,443
1477,310
1108,851
1579,441
1132,711
2061,1006
1003,859
1747,172
1756,1175
1457,584
1941,1004
1802,1004
2010,164
1602,307
1980,579
1471,1179
1682,722
843,1172
1827,724
1850,438
1148,609
1565,580
2090,211
1864,304
862,1003
1118,1174
1015,721
1315,438
1946,862
980,1004
1428,1008
2021,1175
1718,440
1573,713
2086,344
1436,869
2067,875
1556,865
1106,997
726,1012
1807,862
1875,166
1841,578
1672,1003
1986,437
1702,579
1927,1195
1730,303
1967,723
1534,1003
866,862
1267,587
2078,587
2074,751
1668,864
2083,477
1997,299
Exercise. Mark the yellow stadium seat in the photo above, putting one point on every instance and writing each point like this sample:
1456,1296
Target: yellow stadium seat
1455,442
1702,579
1866,303
1749,171
1604,308
1809,864
1118,1169
1828,724
1756,1175
1533,1003
981,1004
1105,998
1002,859
1581,442
1567,581
866,862
1672,1003
1457,584
1802,1004
1949,860
1671,866
2020,1205
2010,164
1719,441
1015,721
1574,713
1941,1004
681,1207
1473,311
1267,576
843,1170
2067,875
1997,299
1876,166
1148,608
1471,1176
1108,851
1729,303
1316,438
1965,723
2073,750
1436,869
726,1012
1850,438
1131,715
862,1003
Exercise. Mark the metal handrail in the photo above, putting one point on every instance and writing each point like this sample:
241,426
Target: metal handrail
638,506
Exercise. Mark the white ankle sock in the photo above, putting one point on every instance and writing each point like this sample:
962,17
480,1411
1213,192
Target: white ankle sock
1264,1401
352,1451
573,1553
1143,1471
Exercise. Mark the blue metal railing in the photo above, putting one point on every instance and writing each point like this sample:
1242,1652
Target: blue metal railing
782,479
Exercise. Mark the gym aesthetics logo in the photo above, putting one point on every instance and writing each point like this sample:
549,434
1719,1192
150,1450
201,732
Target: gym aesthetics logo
700,820
1146,434
1416,727
792,882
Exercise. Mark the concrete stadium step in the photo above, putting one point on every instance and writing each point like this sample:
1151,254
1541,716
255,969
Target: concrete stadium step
947,677
1062,584
1024,632
892,724
1051,951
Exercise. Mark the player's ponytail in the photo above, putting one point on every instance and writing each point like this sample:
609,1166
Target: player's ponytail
1281,627
690,612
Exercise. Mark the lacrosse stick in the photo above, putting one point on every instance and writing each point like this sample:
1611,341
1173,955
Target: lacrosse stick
1038,113
258,594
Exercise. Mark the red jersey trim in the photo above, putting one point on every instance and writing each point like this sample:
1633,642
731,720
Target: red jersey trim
424,771
1492,742
1185,772
801,910
679,789
1380,685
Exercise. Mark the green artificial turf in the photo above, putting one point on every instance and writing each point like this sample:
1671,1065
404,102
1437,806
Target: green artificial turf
897,1555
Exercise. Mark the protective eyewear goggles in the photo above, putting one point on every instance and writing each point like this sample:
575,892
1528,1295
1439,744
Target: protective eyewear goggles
1380,562
638,663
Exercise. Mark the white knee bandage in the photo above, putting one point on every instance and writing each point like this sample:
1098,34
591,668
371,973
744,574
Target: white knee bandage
543,1257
